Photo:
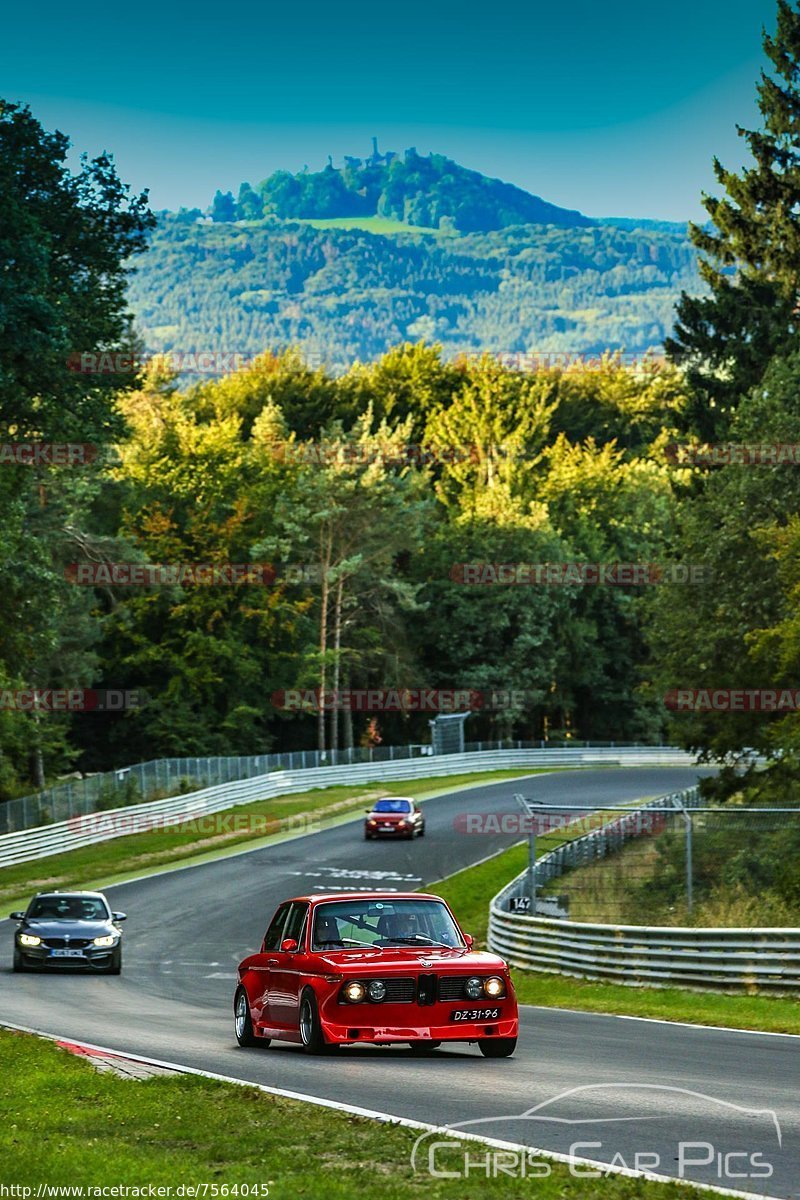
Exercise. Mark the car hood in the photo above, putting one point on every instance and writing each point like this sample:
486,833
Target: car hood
384,816
47,928
412,958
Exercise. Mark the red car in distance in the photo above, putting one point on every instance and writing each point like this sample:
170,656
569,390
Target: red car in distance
394,816
380,967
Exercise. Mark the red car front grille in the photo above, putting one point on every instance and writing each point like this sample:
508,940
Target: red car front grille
400,991
451,987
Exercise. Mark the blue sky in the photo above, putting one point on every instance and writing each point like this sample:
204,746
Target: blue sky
605,106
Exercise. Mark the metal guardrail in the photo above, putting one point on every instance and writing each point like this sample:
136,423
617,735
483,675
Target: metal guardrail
160,778
744,959
43,841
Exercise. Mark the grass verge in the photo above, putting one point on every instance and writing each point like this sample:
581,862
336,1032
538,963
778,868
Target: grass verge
63,1123
470,892
380,225
246,826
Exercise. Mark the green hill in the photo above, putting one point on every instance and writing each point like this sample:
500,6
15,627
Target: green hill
431,191
347,293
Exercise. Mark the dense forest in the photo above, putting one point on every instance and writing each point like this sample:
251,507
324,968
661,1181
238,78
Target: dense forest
360,492
347,294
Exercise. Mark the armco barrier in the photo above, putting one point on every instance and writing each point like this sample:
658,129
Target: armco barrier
742,959
45,840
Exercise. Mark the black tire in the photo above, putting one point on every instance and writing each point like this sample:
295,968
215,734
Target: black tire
242,1022
367,837
311,1034
115,966
426,1047
422,830
19,965
497,1047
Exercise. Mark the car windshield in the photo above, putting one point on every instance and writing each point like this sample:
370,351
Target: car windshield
341,924
392,806
68,908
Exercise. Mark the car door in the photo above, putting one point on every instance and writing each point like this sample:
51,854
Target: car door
260,966
286,971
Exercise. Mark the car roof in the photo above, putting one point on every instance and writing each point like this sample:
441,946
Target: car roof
319,897
70,895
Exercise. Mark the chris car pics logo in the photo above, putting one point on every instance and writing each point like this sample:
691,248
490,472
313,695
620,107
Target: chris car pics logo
674,1140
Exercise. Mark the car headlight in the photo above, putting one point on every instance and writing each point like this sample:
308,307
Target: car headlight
474,988
354,992
29,939
105,941
494,987
377,990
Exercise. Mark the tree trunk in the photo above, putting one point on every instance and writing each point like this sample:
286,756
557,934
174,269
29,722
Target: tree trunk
325,559
337,673
37,758
347,723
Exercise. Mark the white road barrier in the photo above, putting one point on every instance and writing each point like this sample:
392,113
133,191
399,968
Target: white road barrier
45,840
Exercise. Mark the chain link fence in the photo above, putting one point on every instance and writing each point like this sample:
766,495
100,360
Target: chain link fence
164,777
679,864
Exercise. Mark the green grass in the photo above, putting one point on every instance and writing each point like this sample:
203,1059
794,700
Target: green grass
470,892
138,854
384,225
63,1123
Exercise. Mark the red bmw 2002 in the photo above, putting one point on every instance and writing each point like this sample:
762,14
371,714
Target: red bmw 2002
381,967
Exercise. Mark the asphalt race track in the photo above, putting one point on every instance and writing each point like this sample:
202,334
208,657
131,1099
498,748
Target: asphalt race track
667,1093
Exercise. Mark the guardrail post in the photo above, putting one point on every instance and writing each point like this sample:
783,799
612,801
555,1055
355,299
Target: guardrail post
531,852
679,796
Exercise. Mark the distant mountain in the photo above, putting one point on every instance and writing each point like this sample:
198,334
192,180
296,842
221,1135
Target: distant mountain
431,192
345,263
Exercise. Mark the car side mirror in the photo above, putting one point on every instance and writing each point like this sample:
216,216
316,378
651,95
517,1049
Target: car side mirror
119,916
16,916
470,940
367,811
288,945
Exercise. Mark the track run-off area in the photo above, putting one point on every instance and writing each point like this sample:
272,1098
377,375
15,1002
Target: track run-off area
716,1106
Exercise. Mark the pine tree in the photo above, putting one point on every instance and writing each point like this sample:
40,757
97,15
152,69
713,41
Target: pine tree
750,251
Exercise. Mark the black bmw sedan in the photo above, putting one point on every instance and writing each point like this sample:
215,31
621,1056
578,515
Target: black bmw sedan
68,929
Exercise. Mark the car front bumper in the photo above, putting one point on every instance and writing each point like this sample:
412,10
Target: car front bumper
95,957
367,1023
